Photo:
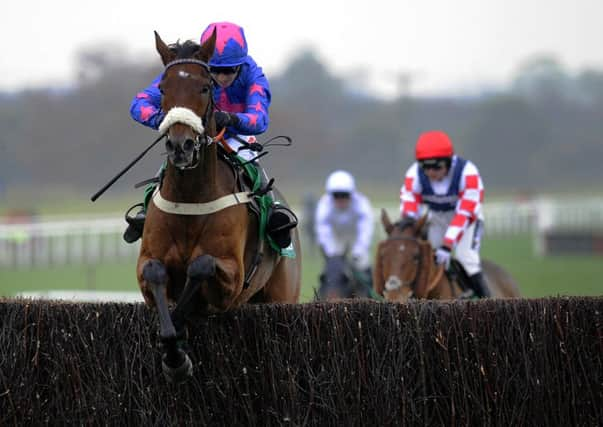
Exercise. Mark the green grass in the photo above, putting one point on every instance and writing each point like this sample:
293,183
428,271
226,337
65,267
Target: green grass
537,277
106,277
545,276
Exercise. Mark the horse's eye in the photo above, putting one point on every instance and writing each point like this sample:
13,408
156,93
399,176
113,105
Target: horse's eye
205,90
160,89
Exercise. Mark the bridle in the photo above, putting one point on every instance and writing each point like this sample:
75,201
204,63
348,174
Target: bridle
188,117
412,284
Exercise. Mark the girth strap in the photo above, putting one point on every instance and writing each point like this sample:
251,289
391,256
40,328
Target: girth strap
200,208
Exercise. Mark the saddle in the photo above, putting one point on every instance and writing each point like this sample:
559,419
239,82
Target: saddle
251,178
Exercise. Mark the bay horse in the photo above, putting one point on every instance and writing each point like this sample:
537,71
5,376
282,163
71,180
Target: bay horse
405,267
202,248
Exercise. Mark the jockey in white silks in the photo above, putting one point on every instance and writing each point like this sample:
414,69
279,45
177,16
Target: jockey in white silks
454,192
344,221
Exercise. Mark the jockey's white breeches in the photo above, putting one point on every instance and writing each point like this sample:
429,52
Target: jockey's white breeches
467,250
248,154
235,145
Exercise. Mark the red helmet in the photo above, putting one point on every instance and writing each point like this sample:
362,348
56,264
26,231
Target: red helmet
433,144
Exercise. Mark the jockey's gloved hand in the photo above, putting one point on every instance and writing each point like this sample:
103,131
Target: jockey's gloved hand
224,119
443,256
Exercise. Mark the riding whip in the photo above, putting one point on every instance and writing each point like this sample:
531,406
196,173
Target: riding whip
119,175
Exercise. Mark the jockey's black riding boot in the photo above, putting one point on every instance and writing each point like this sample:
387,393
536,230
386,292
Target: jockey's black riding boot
281,219
135,224
280,222
478,284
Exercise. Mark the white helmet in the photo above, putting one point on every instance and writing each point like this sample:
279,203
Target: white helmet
340,181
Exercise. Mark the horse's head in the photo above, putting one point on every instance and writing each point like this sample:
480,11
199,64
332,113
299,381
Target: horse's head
399,262
186,98
400,259
337,279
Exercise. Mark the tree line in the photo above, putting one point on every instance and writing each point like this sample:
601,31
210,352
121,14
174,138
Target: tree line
542,133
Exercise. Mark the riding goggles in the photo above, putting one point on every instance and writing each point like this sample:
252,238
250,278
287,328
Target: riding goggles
224,70
340,195
435,164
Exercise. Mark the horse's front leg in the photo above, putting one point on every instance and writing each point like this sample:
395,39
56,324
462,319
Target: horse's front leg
200,269
176,364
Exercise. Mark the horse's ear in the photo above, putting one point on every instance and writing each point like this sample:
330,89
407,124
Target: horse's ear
166,54
420,225
387,224
208,47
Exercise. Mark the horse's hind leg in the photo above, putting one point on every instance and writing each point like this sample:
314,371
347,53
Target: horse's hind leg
176,364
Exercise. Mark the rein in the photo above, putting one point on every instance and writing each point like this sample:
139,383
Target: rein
413,283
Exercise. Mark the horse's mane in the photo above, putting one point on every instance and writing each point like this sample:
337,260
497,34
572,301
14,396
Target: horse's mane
404,223
184,50
408,222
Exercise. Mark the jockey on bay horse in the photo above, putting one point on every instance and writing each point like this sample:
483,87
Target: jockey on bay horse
454,192
242,98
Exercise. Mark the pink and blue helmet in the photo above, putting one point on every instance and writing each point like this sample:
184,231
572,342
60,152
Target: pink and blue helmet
231,45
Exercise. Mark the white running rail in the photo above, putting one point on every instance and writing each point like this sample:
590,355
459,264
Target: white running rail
77,240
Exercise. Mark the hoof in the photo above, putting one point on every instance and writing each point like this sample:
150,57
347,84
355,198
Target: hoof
179,374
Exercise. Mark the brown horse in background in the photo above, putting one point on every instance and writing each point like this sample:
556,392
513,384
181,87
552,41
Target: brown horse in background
201,246
405,267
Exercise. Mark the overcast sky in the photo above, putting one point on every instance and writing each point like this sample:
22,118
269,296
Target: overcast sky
445,45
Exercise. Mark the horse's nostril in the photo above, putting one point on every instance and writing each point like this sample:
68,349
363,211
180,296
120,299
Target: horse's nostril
169,145
393,283
188,145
